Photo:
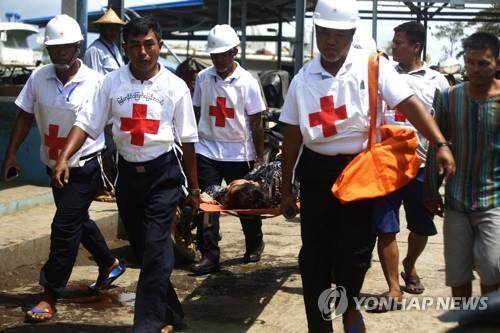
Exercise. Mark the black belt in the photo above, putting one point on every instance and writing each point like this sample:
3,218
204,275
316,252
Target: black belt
86,158
90,156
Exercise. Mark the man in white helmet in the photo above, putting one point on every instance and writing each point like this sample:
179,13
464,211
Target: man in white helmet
53,95
326,112
228,105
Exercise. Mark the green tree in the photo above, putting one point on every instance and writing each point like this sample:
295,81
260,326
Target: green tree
453,33
493,14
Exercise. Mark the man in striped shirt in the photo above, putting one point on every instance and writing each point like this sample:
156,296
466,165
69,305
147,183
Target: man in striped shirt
469,117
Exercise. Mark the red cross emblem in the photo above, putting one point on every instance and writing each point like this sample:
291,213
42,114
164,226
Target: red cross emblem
139,124
327,116
399,116
54,142
220,112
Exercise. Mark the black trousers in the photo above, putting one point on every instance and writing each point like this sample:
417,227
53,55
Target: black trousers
335,237
109,158
212,172
147,195
71,226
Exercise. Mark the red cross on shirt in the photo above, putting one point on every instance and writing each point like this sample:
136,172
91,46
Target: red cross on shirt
220,112
54,142
399,116
327,116
139,124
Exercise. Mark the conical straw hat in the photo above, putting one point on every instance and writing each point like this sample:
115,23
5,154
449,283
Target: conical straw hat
109,17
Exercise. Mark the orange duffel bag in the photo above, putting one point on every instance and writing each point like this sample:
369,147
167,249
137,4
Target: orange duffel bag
385,166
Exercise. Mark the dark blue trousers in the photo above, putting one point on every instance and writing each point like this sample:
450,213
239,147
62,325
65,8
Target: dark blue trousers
335,237
211,172
147,195
71,226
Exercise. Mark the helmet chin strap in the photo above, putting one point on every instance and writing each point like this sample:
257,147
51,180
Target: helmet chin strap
64,67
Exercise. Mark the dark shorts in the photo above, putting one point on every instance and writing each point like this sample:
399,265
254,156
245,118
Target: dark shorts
418,218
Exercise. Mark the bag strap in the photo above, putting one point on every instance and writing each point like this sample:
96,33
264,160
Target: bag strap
373,65
109,49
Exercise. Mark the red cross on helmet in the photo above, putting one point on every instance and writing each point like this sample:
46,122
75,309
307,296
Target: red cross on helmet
62,29
336,14
222,38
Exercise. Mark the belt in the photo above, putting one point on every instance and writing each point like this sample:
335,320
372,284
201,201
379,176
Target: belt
147,166
90,156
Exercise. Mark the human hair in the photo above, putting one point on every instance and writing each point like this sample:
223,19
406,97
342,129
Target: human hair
415,33
248,196
141,26
482,41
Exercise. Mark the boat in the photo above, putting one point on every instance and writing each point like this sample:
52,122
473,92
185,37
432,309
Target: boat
15,52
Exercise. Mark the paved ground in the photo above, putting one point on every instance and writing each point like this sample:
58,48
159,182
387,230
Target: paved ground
263,297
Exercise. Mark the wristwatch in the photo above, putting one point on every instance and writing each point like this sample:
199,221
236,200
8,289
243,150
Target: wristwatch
443,144
194,192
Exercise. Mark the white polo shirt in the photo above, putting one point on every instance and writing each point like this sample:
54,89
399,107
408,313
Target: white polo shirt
44,87
253,104
146,117
347,93
425,83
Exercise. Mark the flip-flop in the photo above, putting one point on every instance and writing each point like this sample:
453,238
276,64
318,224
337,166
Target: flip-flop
29,318
413,285
106,283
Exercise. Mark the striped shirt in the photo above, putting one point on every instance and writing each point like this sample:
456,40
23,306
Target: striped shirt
473,128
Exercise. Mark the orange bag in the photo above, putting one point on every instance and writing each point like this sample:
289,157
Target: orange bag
383,167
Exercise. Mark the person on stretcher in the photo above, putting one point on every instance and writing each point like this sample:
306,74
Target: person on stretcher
260,188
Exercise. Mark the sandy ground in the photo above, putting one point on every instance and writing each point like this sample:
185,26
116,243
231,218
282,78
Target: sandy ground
264,297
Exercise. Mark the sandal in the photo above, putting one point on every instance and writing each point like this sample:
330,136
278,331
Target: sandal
385,303
115,273
30,318
105,196
413,285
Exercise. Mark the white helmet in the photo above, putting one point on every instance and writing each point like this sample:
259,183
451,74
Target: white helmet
364,41
62,29
336,14
222,38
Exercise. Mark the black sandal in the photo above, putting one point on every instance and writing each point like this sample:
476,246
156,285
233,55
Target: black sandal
413,285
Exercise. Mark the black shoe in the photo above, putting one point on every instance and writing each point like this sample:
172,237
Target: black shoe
205,266
254,256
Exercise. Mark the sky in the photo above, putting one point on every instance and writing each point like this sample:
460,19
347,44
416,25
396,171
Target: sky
32,8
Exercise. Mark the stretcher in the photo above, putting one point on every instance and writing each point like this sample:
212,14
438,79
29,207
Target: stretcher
262,212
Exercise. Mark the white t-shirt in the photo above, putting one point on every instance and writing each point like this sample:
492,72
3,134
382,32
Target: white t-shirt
146,116
351,83
44,87
253,104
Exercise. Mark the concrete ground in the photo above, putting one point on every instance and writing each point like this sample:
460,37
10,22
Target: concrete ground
264,297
